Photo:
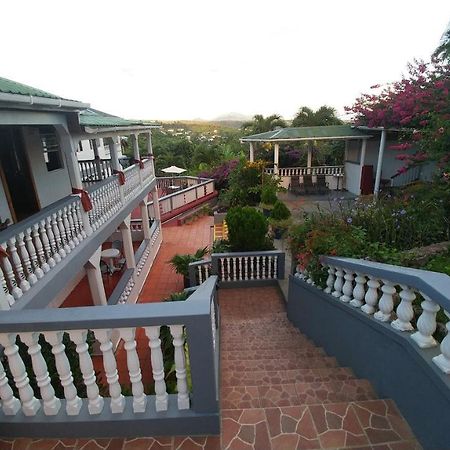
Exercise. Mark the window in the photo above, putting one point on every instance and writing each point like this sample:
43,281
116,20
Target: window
91,144
80,147
354,151
51,148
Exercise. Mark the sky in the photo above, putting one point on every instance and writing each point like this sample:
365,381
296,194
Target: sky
206,58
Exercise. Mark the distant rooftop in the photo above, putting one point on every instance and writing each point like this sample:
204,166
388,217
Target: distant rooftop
95,118
309,133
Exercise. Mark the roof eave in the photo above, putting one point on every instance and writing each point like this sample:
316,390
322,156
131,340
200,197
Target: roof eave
330,138
31,100
129,129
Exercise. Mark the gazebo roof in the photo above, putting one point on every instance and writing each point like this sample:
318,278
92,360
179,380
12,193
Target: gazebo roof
329,132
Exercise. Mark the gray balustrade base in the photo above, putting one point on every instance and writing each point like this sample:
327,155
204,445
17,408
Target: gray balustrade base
127,424
394,364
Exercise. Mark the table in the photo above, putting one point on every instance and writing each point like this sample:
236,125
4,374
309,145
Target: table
109,255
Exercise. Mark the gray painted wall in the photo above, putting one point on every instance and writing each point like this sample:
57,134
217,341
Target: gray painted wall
393,363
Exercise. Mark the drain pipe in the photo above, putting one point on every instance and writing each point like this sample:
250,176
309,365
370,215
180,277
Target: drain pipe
376,189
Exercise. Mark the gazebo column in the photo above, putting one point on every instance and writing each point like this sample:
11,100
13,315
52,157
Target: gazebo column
252,152
376,189
362,161
276,157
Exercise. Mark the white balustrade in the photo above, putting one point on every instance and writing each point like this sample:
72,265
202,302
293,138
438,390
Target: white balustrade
106,201
443,360
371,297
17,263
330,280
10,404
359,291
6,299
134,370
338,283
405,311
347,288
30,404
73,402
426,324
386,303
51,404
110,366
132,181
95,402
180,366
161,401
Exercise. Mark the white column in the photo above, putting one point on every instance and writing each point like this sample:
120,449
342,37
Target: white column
145,219
135,143
362,161
128,250
309,160
156,210
276,157
114,150
95,279
376,189
98,168
252,152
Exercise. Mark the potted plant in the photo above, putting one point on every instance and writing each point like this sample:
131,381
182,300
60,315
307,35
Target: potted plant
181,263
280,219
268,199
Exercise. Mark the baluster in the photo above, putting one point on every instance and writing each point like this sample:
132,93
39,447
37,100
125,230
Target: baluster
17,264
229,274
40,250
26,260
222,266
386,303
134,370
70,228
59,245
52,239
426,324
10,404
95,402
62,232
359,291
80,220
30,404
73,402
234,261
6,299
338,283
44,232
330,280
257,268
443,360
157,360
405,312
52,404
371,297
180,366
206,272
76,225
36,271
347,289
269,267
199,271
110,366
275,267
246,268
15,290
263,267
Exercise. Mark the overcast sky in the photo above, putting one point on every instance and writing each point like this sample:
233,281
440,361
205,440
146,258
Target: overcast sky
204,58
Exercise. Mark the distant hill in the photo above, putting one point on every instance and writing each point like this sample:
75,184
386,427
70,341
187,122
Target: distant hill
232,117
201,126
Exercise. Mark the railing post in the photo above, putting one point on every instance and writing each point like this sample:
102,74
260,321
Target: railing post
281,262
215,265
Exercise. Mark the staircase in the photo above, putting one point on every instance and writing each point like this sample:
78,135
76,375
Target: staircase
279,391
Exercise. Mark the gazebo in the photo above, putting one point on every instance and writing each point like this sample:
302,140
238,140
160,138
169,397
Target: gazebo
357,155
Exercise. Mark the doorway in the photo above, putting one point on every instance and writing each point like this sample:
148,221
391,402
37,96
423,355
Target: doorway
16,175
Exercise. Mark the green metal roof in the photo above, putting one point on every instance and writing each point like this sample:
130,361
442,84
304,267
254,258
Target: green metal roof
13,87
309,133
94,118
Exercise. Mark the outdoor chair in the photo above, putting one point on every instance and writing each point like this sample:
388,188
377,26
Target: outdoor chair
310,188
296,187
321,184
119,246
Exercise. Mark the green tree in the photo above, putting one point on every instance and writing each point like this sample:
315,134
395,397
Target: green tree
261,124
443,50
307,117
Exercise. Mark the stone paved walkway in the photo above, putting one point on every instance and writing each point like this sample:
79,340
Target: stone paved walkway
278,391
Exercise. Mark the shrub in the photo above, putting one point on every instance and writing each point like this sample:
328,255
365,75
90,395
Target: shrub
181,262
280,211
268,195
247,229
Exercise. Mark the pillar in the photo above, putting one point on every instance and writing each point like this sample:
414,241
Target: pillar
145,219
156,210
252,152
69,147
135,143
150,150
127,241
95,279
309,160
362,161
114,150
376,189
276,157
98,168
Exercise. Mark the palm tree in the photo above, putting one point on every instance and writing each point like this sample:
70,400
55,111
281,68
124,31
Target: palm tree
261,124
443,51
307,117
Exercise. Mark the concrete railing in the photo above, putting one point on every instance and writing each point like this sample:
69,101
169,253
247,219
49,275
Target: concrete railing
95,169
315,170
367,314
239,268
31,412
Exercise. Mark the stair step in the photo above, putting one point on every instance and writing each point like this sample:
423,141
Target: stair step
279,364
296,394
276,353
264,377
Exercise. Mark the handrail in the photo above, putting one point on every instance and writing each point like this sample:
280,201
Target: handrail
189,188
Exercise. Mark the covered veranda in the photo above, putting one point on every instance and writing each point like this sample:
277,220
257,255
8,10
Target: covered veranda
337,177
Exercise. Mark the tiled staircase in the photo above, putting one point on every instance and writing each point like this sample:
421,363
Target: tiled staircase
279,391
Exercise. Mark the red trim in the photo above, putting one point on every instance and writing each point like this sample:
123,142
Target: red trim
121,176
3,252
140,162
85,199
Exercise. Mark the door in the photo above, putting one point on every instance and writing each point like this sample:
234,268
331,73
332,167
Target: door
15,171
